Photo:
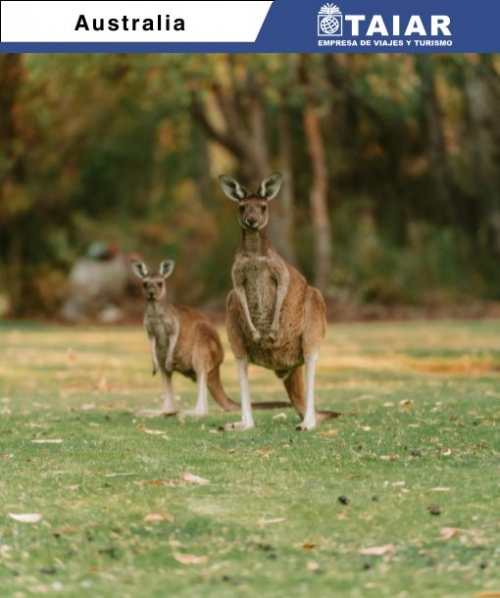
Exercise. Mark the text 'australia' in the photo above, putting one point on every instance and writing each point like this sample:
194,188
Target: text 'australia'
125,23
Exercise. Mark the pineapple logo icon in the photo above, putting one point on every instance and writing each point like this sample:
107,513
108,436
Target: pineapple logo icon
330,20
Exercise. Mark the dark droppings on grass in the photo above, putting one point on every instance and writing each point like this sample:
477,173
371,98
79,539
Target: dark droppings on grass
344,500
48,570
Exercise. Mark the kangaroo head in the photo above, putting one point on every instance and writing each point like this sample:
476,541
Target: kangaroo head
153,285
252,207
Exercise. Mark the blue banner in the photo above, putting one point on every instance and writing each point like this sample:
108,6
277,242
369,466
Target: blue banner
285,26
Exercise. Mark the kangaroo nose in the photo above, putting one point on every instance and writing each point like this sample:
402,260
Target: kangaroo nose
252,221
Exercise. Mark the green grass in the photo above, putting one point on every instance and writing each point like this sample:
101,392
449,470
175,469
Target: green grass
420,428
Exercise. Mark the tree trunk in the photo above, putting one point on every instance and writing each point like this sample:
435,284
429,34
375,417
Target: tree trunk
288,192
12,176
437,152
318,196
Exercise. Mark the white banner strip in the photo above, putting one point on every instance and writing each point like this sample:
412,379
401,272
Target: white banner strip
202,21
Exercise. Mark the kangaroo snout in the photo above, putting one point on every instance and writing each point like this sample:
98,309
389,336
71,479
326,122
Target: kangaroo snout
252,222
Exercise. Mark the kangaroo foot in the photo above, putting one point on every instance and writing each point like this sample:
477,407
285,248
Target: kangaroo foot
308,423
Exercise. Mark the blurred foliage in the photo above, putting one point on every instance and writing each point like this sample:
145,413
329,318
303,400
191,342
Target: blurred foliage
127,148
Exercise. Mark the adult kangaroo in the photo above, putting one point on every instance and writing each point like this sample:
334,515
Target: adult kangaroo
274,318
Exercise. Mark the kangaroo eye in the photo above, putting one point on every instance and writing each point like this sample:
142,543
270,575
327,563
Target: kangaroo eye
159,284
242,209
263,208
144,284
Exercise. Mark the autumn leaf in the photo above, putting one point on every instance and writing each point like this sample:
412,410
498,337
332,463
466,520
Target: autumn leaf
194,479
281,416
26,517
156,517
406,403
270,521
308,546
146,430
377,550
329,433
163,482
190,559
447,533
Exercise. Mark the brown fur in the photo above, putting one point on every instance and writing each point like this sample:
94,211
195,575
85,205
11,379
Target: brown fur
185,340
278,337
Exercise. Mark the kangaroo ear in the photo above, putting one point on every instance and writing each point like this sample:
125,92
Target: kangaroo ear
166,268
232,188
271,186
140,269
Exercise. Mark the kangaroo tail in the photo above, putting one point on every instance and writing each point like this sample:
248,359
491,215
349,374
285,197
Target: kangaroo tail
324,415
217,391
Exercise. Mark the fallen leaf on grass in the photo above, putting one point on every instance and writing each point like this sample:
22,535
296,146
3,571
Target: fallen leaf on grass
406,403
47,441
447,533
389,457
281,415
440,489
377,550
155,517
446,452
194,479
270,521
26,517
190,559
312,566
146,430
162,482
308,546
328,433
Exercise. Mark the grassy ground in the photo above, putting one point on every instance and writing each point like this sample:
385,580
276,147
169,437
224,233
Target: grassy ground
398,498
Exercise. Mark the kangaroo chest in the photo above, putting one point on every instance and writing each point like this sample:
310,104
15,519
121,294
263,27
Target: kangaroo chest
161,327
259,277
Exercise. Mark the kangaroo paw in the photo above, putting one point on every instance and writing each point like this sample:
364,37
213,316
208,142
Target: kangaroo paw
256,336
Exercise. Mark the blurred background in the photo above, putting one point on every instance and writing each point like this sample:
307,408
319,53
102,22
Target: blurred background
391,166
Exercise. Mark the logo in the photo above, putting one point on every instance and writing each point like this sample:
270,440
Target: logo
330,21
